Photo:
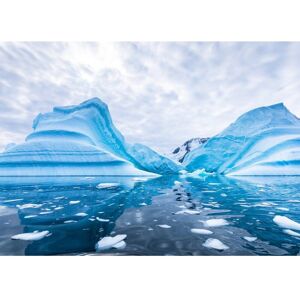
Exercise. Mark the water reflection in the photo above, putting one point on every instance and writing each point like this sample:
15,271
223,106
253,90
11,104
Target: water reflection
157,215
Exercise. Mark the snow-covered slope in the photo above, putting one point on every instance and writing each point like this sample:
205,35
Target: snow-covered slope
180,152
263,141
78,140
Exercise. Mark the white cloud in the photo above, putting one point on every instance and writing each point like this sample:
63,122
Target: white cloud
159,94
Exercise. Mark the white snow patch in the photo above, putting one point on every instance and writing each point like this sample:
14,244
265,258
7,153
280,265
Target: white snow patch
215,244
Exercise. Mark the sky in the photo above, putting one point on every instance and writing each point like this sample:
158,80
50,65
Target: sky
159,94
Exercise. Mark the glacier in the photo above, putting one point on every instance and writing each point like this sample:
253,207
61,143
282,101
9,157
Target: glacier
263,141
81,140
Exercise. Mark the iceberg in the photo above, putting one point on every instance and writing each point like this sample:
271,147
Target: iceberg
81,140
263,141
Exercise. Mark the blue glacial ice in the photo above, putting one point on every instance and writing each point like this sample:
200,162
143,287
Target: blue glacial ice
263,141
81,140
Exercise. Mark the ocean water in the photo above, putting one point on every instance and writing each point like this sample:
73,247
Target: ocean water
163,216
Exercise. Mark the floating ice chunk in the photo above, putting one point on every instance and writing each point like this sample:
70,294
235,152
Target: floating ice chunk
102,220
109,242
188,212
60,197
215,244
81,214
29,205
285,222
250,238
107,185
58,208
45,212
282,208
140,179
70,221
291,232
12,200
74,202
30,236
30,216
224,195
143,204
164,226
120,245
201,231
215,222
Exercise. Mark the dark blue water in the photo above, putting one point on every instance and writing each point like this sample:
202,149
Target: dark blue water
77,214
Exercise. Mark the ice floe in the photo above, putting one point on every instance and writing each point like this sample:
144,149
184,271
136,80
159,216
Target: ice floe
164,226
81,214
291,232
74,202
215,222
250,238
108,185
285,222
110,242
201,231
30,236
215,244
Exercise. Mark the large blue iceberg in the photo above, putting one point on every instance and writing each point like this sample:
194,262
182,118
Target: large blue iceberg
81,140
263,141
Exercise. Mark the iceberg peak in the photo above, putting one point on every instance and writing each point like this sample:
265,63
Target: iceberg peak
79,140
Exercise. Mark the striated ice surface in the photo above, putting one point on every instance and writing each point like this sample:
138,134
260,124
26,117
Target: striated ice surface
81,140
263,141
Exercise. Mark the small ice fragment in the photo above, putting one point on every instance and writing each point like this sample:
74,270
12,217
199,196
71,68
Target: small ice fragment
102,220
120,245
282,208
164,226
187,212
250,238
150,229
224,195
215,244
143,204
30,216
74,202
109,241
107,185
291,232
30,236
177,182
46,212
58,208
215,222
60,197
285,222
29,205
201,231
81,214
13,200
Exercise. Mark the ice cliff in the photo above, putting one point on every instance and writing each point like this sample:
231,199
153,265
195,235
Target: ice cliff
81,140
263,141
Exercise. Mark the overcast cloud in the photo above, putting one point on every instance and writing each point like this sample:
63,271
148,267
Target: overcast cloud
159,94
